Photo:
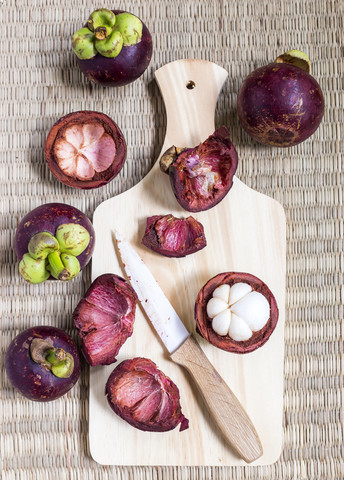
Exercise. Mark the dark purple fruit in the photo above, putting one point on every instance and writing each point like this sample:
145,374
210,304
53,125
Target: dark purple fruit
114,49
174,237
105,318
281,104
42,363
144,397
201,176
54,240
236,312
85,149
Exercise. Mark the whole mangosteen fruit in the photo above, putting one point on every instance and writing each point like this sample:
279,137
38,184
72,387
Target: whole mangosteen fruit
281,104
42,363
114,48
54,239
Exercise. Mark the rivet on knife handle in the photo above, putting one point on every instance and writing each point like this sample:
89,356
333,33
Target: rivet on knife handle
222,404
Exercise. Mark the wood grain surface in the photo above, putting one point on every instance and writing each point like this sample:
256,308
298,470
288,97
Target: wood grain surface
245,232
224,407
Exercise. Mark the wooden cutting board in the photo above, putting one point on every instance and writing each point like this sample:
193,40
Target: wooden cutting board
246,232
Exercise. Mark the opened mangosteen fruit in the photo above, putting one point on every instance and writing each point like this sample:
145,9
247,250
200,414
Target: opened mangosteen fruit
174,237
53,240
203,175
85,149
281,104
105,318
42,363
144,396
236,312
114,48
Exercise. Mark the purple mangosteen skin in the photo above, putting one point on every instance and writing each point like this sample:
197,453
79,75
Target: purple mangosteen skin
128,66
269,95
46,218
31,379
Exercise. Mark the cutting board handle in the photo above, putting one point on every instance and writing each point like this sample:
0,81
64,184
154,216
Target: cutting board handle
190,89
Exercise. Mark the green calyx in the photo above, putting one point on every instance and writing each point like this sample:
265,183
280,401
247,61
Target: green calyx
110,46
54,255
297,58
83,44
56,360
72,238
101,18
130,28
106,33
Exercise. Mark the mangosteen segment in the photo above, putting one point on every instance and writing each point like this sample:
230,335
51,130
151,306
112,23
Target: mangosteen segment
144,396
105,318
202,176
174,237
81,150
236,312
238,317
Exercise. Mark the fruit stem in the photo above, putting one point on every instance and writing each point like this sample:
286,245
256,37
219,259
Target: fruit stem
102,32
56,267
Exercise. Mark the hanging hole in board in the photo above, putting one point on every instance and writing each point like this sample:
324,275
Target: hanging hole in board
190,85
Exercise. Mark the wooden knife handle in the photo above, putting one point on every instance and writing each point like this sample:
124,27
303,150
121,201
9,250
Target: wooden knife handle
221,402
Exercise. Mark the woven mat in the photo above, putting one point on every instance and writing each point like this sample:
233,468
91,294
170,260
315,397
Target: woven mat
40,82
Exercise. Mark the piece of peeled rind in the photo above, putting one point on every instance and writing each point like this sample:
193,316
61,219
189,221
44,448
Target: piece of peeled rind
144,397
238,329
174,237
222,292
83,150
253,309
221,322
216,306
105,318
238,291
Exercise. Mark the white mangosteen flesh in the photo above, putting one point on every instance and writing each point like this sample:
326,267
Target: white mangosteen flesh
237,311
83,150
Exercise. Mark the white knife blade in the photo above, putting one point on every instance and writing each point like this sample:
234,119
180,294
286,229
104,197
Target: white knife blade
162,315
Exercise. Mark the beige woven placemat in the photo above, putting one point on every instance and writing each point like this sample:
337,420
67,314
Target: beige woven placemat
40,82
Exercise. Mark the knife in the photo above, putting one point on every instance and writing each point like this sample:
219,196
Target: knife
225,409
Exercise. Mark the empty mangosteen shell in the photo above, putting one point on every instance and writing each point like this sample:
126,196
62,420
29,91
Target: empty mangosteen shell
80,118
203,322
169,163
